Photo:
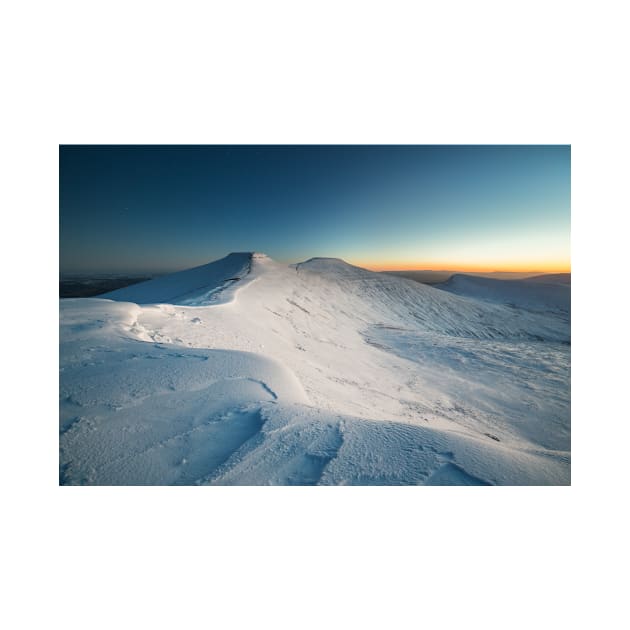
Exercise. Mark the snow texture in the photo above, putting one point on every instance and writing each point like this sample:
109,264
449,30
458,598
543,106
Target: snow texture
247,371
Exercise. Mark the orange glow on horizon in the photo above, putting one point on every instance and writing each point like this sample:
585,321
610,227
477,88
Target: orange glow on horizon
538,267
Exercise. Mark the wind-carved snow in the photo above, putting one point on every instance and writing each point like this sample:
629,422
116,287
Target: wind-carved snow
246,371
199,286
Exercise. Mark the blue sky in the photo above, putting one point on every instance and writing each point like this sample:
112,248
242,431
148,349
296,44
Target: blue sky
128,209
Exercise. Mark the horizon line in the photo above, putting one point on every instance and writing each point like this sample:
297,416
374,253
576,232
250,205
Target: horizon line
375,268
457,269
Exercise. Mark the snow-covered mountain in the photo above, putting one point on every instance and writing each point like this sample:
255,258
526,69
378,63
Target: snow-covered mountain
247,371
193,287
533,294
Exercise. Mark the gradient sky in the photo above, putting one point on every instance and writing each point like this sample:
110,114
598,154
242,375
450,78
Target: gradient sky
130,209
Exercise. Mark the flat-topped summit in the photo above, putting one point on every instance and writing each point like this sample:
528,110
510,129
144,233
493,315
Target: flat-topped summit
332,266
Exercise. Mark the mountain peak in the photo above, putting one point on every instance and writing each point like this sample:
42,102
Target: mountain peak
260,256
325,259
331,265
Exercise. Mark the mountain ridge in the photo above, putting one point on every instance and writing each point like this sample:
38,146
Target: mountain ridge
245,370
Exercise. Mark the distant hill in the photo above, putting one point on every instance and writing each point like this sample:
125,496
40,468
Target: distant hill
552,278
81,286
538,295
430,276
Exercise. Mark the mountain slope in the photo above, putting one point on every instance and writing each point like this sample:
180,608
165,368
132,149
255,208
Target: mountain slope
533,294
196,286
319,372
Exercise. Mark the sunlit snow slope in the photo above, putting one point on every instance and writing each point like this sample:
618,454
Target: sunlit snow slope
246,371
532,294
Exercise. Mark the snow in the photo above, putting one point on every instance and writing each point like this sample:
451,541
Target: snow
198,286
531,294
247,371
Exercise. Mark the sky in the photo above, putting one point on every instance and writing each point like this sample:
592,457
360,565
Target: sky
154,209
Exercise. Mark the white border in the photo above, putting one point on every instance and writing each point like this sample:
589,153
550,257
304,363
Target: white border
287,72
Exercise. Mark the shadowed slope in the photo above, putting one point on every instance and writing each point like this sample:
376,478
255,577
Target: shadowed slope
196,286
